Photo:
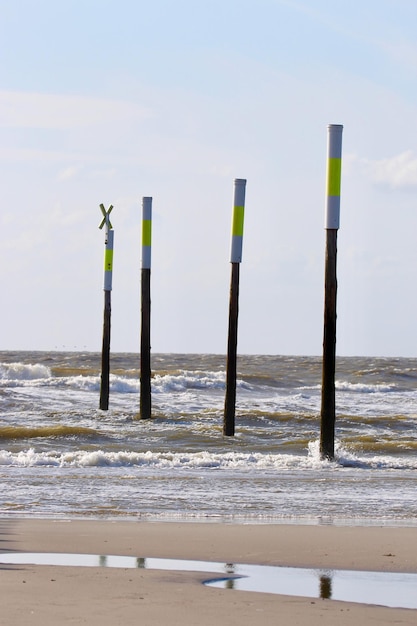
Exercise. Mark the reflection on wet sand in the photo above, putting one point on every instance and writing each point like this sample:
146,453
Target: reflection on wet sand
325,591
383,588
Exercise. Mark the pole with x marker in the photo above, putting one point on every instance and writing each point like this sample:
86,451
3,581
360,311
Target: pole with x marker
108,275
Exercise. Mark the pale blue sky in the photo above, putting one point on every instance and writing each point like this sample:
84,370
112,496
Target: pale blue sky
105,101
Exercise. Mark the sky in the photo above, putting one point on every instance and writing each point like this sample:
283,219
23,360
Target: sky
105,101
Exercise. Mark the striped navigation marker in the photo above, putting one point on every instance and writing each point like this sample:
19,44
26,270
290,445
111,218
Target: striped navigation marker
145,339
108,276
237,220
334,172
235,259
332,220
108,260
146,232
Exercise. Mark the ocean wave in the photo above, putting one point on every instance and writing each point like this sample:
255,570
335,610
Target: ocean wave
118,384
203,460
344,457
154,460
343,385
185,380
167,383
37,375
364,388
26,432
23,372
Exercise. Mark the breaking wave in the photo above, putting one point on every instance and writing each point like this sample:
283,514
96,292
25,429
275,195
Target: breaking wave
201,460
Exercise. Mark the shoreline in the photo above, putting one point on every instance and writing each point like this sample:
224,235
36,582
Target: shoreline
379,548
55,594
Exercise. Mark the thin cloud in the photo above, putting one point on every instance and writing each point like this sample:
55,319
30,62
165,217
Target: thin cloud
68,173
397,172
54,111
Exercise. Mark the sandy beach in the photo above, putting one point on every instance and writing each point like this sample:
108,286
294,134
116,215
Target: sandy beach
43,594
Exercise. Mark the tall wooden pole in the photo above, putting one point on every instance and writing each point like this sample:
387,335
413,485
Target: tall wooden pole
231,364
108,274
235,259
328,399
328,393
145,341
105,354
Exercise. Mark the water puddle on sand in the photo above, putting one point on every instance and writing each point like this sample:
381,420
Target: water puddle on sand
381,588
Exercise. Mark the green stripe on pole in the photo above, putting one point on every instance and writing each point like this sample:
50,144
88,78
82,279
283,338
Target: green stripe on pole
334,174
238,219
146,232
108,260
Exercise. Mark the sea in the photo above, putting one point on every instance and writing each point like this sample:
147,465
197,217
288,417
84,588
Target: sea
62,457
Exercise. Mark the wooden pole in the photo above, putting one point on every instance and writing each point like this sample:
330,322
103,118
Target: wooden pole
108,273
105,354
145,341
231,363
328,394
235,259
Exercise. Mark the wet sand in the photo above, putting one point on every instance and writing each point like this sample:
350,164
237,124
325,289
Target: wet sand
43,595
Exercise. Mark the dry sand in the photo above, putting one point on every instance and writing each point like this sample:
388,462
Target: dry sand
46,595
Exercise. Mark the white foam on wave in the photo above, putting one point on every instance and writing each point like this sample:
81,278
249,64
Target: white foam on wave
26,375
118,384
203,460
16,372
188,380
343,385
169,383
154,460
364,388
345,458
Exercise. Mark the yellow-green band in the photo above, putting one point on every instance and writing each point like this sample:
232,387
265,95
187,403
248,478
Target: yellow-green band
238,215
108,260
334,172
146,232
